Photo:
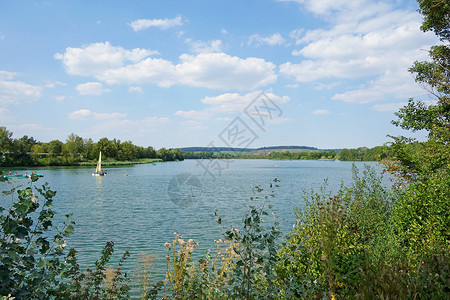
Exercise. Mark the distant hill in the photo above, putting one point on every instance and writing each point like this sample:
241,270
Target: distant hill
261,150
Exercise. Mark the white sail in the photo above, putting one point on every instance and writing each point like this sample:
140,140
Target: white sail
99,164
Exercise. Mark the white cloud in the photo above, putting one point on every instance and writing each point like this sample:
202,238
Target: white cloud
321,112
92,88
86,114
135,89
366,40
12,91
275,39
354,9
234,102
397,84
115,65
60,98
360,96
5,75
205,47
227,103
221,71
97,58
159,23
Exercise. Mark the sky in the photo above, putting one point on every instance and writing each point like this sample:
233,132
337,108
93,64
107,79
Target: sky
176,73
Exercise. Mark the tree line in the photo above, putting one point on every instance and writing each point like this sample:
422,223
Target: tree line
377,153
26,151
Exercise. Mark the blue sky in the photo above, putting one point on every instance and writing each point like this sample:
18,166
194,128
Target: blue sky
179,73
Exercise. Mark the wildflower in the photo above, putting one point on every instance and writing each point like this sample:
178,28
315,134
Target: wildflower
110,274
167,244
190,241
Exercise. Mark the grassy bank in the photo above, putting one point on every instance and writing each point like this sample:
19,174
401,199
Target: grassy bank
107,163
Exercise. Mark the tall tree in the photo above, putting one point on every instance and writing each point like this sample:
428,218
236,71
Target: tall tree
415,158
423,213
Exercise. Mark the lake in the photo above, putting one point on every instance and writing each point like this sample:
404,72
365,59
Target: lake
141,211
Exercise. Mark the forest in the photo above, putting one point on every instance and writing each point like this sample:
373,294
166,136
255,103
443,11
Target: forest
26,151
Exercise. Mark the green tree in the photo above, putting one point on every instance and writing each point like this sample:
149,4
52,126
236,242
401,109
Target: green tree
107,147
127,151
74,146
5,140
88,148
422,214
55,147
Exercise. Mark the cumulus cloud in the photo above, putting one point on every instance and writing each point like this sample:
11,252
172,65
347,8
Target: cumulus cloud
227,103
115,65
159,23
222,71
366,40
92,89
398,84
97,58
275,39
12,91
234,102
87,114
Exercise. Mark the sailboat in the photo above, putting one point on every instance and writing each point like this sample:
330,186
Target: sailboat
98,170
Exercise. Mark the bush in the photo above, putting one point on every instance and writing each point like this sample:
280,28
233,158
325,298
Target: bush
32,248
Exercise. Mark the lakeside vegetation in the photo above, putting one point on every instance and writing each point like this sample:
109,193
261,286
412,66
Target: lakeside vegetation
77,151
377,153
364,242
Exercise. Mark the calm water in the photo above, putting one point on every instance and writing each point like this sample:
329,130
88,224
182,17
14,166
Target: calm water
140,212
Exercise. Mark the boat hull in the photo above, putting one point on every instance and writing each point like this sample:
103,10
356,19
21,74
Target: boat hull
98,174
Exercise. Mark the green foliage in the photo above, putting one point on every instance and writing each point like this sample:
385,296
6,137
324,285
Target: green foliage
76,151
242,266
436,17
302,155
30,249
332,236
256,246
99,283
